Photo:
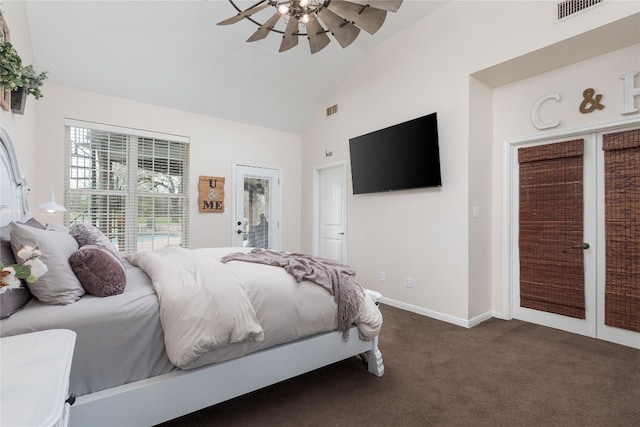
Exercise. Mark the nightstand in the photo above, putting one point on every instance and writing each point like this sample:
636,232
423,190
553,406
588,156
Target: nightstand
34,378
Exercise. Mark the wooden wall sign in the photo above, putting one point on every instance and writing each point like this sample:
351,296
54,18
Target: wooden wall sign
211,194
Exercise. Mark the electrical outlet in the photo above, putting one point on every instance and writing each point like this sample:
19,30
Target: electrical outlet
408,282
383,276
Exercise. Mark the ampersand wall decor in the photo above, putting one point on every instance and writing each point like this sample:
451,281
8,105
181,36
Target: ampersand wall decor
589,103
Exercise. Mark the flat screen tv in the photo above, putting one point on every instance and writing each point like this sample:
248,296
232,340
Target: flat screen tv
400,157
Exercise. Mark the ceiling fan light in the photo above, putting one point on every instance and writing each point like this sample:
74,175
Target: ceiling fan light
343,19
283,9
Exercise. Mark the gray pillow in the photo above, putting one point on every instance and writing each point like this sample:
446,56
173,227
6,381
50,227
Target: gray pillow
59,285
89,234
99,270
57,227
14,299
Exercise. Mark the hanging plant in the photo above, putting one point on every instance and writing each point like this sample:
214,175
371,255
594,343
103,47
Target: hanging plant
32,81
14,75
18,79
10,67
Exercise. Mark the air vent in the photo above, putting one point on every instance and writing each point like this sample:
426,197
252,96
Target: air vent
332,110
571,7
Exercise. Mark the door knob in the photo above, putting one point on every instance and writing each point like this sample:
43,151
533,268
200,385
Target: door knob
582,246
239,231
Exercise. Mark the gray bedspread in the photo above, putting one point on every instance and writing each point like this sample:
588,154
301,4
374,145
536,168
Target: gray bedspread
119,338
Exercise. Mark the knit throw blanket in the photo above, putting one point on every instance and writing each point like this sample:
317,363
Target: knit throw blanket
338,279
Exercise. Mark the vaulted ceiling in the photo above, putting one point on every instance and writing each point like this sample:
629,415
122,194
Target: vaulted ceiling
172,53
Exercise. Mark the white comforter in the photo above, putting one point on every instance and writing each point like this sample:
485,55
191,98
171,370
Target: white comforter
212,311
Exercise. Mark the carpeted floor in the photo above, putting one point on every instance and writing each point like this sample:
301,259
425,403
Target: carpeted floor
499,373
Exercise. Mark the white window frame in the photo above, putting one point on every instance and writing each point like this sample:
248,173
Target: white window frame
131,195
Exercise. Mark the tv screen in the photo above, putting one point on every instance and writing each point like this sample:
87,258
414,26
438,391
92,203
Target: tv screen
399,157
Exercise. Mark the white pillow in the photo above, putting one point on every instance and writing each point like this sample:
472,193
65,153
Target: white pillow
59,285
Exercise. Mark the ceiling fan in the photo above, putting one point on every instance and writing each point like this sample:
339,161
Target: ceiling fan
308,18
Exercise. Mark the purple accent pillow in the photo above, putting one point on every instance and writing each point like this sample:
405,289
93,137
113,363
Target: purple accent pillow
89,234
99,270
13,299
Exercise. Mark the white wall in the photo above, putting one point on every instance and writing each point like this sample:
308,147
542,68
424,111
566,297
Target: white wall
455,260
513,104
21,128
215,145
429,234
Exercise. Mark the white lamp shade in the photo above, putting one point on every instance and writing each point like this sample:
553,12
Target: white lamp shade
51,206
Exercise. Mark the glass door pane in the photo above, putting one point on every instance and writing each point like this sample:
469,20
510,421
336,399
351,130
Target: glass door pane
256,205
256,212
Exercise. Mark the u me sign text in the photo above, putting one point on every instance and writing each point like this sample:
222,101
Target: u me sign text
211,194
591,101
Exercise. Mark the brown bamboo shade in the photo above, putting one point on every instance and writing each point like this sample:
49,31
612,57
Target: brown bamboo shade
622,229
551,228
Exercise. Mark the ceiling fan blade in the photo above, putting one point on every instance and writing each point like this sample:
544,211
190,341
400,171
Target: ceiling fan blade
368,18
240,16
343,31
290,37
318,39
265,29
390,5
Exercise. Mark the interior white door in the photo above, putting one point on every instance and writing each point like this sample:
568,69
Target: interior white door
332,213
582,326
624,182
593,324
256,207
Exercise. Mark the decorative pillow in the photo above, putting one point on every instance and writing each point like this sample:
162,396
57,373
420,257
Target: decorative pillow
14,299
99,270
88,234
57,227
59,285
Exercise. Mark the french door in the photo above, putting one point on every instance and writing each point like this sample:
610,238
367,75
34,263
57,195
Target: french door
256,207
576,266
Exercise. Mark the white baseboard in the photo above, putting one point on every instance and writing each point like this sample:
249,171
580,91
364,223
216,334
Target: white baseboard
438,316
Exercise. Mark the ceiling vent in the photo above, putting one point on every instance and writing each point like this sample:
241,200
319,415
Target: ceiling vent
569,8
332,110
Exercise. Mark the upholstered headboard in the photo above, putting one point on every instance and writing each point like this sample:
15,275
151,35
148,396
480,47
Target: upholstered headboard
13,186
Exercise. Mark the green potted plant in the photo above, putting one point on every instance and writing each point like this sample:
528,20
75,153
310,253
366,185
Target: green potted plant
20,80
10,67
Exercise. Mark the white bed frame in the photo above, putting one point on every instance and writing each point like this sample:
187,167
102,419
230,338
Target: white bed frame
155,400
177,393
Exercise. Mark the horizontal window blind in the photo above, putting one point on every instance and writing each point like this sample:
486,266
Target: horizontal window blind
132,185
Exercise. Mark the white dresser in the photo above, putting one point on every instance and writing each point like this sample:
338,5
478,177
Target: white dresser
34,378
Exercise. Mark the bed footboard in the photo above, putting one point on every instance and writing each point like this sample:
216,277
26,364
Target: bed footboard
165,397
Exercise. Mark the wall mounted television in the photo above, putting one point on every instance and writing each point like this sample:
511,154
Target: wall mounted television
399,157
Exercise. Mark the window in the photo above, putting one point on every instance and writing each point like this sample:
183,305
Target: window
131,184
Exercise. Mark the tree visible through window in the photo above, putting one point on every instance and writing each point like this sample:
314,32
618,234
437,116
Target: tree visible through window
132,185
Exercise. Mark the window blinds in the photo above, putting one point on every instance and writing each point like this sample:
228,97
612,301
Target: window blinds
622,229
132,185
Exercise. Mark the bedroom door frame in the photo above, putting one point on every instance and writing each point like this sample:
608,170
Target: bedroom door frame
273,175
594,232
342,234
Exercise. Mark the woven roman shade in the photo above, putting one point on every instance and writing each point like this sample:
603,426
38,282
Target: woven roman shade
622,229
551,228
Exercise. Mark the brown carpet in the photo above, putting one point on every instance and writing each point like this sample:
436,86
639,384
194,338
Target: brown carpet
499,373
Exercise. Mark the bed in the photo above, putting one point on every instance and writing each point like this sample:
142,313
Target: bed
144,355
